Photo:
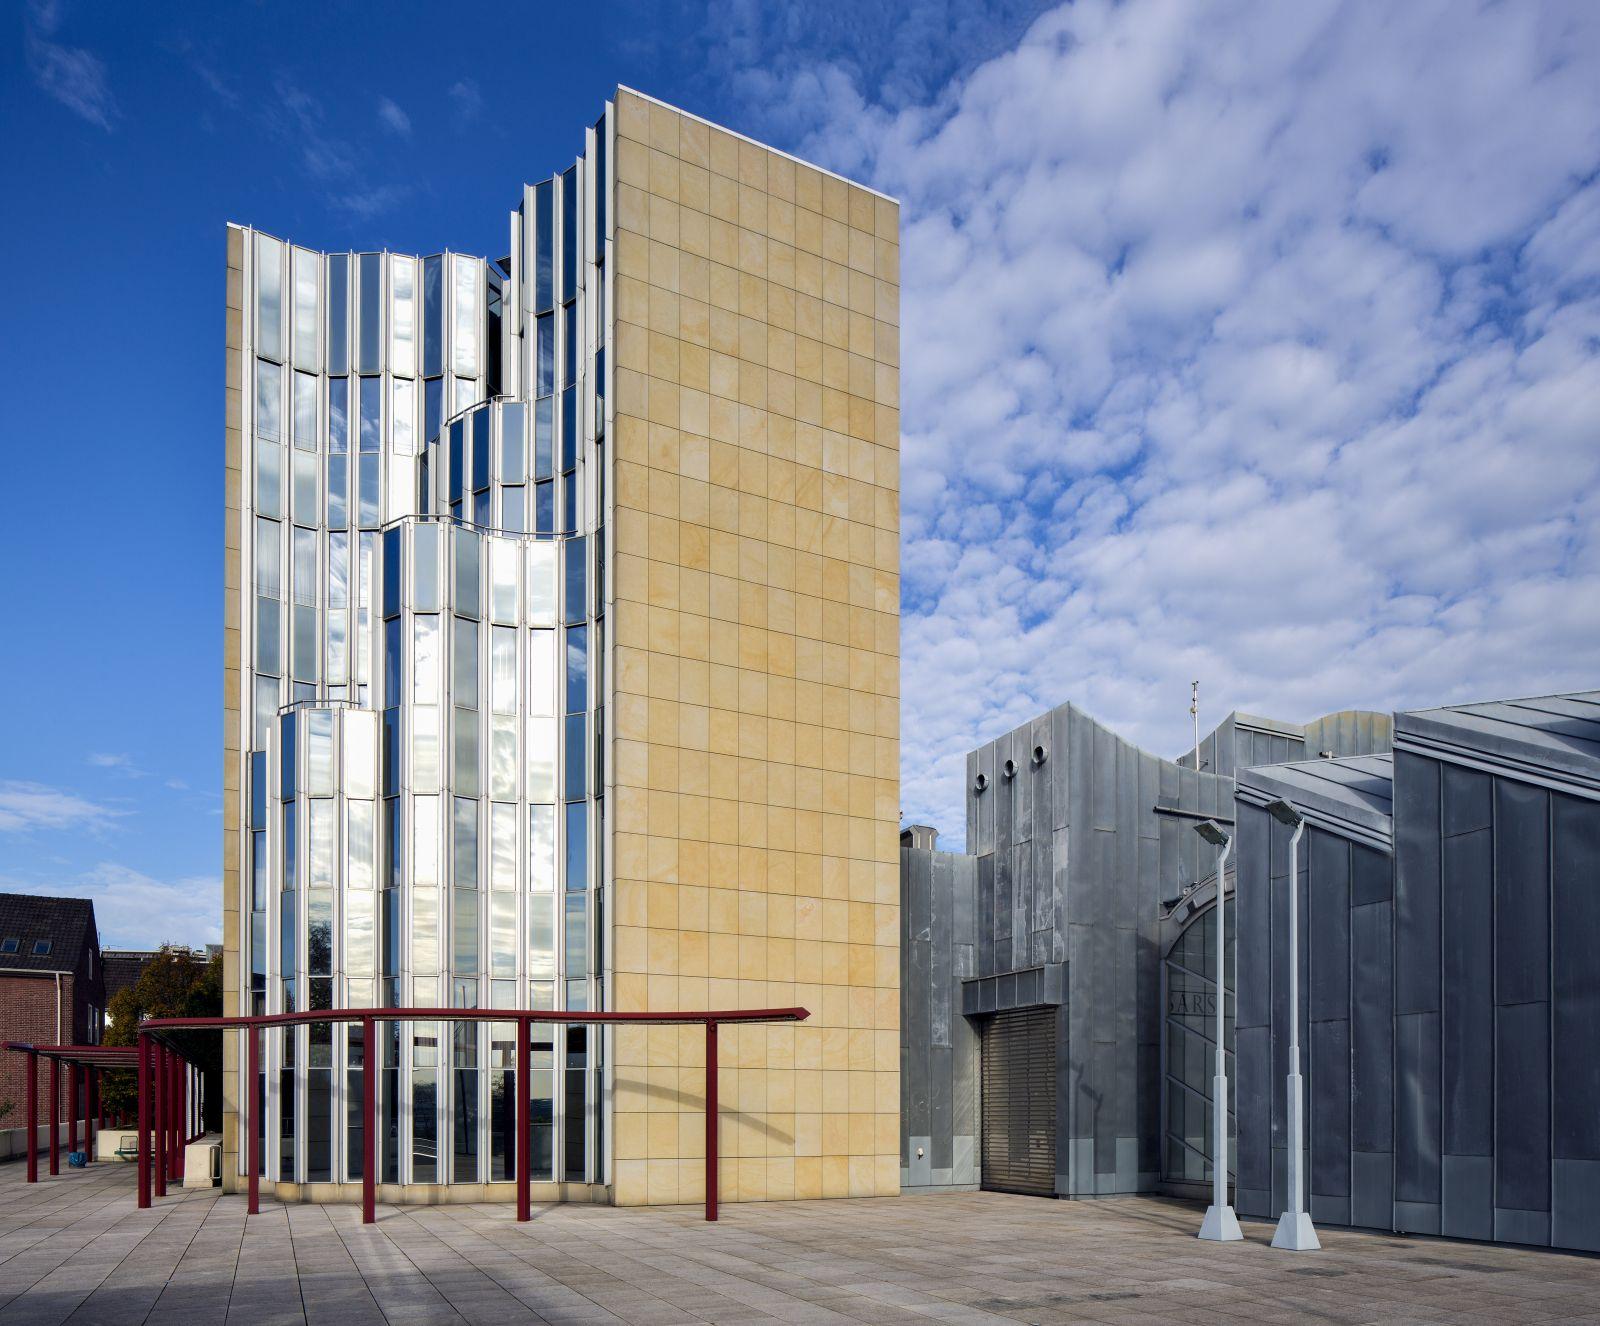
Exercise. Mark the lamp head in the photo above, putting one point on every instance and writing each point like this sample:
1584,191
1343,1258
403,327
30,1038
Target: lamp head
1212,832
1284,813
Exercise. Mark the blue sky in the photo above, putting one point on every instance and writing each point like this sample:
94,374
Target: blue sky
1204,306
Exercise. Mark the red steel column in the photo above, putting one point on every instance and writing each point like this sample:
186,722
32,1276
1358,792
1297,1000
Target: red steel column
32,1124
55,1116
253,1133
524,1120
91,1109
711,1121
158,1119
369,1120
72,1108
144,1120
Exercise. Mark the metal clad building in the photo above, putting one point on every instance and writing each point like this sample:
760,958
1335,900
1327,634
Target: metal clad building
1451,997
1085,876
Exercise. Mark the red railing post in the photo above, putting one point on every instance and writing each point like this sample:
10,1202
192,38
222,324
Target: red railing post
524,1120
369,1121
55,1116
144,1120
174,1111
253,1140
32,1124
711,1121
158,1118
72,1108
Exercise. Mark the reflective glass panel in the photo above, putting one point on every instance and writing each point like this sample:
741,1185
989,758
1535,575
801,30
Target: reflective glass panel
269,401
503,557
503,757
577,845
403,419
542,936
468,593
338,415
371,418
542,848
324,833
269,478
269,644
305,410
464,663
370,273
269,296
360,934
339,313
363,846
503,670
360,753
319,752
269,556
403,322
541,759
464,771
541,586
425,840
467,315
305,565
569,233
425,748
432,317
305,310
426,658
544,247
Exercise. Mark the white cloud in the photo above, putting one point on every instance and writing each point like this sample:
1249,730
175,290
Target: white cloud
73,76
118,762
1259,344
26,806
393,118
296,117
135,910
468,99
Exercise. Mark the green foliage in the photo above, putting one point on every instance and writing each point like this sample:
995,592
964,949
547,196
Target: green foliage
173,984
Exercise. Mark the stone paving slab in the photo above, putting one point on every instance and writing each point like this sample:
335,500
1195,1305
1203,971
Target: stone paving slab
76,1250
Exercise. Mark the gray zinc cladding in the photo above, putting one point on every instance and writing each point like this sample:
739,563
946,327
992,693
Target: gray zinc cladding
1473,1025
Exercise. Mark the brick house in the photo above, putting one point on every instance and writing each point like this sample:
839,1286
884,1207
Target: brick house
52,988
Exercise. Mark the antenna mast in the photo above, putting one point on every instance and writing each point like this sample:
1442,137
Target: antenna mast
1194,717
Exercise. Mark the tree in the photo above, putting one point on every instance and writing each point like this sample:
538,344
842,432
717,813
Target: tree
175,983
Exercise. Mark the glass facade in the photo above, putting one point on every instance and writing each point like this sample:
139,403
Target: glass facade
421,633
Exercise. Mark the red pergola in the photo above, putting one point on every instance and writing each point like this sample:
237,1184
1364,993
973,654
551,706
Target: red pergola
173,1113
153,1033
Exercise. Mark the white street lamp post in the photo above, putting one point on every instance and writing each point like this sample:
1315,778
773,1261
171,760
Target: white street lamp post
1220,1224
1295,1230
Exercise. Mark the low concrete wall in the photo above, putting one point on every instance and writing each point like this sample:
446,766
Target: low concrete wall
14,1144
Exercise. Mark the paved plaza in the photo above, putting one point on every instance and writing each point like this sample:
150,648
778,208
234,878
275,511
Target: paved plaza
76,1249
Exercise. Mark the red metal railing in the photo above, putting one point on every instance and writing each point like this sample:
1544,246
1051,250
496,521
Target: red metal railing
84,1064
151,1031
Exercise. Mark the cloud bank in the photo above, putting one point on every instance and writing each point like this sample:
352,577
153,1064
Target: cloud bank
1258,344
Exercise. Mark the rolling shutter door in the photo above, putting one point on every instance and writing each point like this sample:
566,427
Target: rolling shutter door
1019,1101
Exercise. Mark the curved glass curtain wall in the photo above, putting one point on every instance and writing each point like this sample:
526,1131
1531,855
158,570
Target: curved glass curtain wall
1189,1048
421,669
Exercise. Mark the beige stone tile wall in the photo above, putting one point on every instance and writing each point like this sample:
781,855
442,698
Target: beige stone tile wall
232,709
754,772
